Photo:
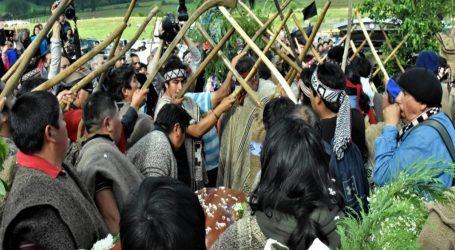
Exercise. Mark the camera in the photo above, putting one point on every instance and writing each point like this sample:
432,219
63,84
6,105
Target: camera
70,10
170,27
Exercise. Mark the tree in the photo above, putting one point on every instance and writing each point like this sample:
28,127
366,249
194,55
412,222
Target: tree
18,8
420,19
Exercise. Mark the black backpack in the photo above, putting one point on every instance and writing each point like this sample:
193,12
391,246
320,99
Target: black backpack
350,176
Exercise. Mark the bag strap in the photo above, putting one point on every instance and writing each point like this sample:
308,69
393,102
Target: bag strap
444,135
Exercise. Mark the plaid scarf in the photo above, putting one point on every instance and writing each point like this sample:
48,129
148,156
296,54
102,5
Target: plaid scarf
422,117
342,137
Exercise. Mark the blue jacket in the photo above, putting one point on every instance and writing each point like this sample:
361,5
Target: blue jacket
419,144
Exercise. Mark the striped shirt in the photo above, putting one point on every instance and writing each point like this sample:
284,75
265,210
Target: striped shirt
210,139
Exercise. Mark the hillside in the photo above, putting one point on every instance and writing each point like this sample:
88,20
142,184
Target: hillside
112,10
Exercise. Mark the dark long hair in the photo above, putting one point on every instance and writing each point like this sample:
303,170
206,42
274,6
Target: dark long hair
295,179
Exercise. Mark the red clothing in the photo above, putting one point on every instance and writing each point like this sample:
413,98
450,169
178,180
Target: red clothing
72,118
36,162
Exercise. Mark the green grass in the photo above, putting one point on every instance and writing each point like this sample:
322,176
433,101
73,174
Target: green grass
98,24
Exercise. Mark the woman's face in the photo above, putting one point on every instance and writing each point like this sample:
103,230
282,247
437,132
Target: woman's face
36,31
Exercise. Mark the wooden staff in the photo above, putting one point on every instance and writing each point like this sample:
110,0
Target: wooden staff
299,27
266,49
360,47
346,45
206,61
112,61
387,40
81,61
293,44
352,44
258,52
243,82
265,27
283,56
373,50
392,54
292,73
13,80
126,18
156,57
204,7
268,46
251,13
342,40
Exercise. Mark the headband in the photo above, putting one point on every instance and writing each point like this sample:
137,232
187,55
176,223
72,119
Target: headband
173,74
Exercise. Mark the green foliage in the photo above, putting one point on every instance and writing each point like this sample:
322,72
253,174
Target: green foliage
217,26
397,213
18,8
419,19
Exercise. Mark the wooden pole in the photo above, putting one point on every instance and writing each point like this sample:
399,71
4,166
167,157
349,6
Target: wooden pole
204,7
266,49
13,80
258,52
346,45
360,47
283,56
299,27
387,40
392,54
265,26
81,61
205,62
112,61
373,50
243,82
126,18
251,13
292,73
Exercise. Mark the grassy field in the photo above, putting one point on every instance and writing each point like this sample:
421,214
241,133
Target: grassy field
100,23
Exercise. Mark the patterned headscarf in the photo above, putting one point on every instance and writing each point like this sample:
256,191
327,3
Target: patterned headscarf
173,74
342,137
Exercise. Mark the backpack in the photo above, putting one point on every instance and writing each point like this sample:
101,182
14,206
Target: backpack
350,176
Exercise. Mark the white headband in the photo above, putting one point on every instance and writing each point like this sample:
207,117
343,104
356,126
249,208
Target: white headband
173,74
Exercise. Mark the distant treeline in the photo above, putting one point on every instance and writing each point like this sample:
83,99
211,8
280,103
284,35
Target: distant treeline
23,9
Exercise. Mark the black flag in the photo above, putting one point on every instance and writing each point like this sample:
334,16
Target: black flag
310,11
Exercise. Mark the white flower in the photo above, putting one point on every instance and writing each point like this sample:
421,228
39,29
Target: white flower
336,217
104,244
105,155
332,192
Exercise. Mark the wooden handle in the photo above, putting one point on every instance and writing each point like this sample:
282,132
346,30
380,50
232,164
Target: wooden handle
126,18
112,61
258,52
13,81
243,82
299,27
251,13
204,7
81,61
360,47
205,62
392,54
390,47
292,73
373,50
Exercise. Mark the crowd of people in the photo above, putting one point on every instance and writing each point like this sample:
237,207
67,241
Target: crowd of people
124,160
